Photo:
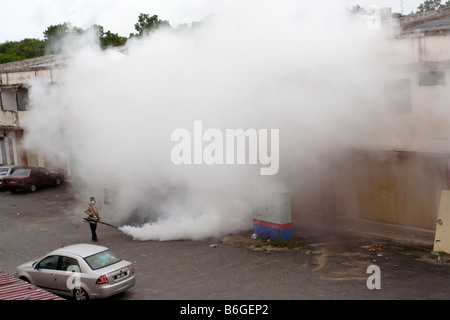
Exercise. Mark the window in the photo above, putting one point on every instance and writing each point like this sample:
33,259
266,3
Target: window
69,263
9,102
21,173
432,78
2,151
50,262
11,151
22,99
14,98
102,259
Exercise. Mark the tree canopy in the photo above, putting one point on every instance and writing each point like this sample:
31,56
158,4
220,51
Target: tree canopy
429,5
147,24
19,50
55,34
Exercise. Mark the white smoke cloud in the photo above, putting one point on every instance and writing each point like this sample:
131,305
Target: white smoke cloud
308,70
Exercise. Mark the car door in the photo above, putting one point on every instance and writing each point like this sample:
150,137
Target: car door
68,274
44,274
36,177
46,177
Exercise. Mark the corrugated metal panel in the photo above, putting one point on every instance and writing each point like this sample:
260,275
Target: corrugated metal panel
12,288
47,61
434,25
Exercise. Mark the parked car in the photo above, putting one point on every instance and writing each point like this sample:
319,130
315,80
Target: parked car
7,170
84,271
31,179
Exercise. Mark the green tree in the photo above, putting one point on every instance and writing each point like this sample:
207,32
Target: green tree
147,24
54,35
108,39
429,5
112,39
356,9
4,58
19,50
30,48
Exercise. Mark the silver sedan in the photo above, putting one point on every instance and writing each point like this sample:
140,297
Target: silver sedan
84,271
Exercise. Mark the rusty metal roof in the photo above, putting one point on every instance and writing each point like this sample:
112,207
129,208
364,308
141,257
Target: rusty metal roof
12,288
42,62
442,24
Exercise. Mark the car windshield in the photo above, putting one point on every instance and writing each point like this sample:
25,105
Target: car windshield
21,173
102,259
3,171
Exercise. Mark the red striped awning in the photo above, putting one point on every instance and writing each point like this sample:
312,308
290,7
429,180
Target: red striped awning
12,288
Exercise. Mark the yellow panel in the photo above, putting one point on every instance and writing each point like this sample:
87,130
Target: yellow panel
442,236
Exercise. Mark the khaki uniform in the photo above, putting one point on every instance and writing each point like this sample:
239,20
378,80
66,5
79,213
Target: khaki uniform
92,212
94,216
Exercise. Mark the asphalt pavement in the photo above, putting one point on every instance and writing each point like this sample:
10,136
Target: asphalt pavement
322,266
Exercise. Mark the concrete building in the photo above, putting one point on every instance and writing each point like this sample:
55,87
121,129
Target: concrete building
15,79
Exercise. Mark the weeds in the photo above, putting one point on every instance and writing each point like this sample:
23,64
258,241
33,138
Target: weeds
277,243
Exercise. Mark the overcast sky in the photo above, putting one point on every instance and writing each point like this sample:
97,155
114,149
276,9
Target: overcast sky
22,19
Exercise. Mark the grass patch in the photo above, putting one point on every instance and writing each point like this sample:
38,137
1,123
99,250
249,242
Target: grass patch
277,243
262,243
415,255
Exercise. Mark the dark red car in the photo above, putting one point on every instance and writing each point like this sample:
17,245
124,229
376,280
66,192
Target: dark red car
31,179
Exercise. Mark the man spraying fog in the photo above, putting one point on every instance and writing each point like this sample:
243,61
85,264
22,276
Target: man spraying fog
94,217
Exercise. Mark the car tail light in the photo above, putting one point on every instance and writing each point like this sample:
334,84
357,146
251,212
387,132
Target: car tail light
102,280
132,269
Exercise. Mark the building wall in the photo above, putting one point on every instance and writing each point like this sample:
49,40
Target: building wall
15,80
381,192
395,180
399,188
416,48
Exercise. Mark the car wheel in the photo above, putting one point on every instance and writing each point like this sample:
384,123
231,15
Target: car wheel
32,188
25,279
58,182
80,294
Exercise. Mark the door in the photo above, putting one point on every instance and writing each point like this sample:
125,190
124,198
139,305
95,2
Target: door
45,176
68,275
40,177
45,273
2,151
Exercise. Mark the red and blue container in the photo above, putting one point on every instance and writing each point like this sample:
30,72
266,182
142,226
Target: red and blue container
272,216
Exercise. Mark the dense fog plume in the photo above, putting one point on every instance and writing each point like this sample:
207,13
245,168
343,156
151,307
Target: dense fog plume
308,70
